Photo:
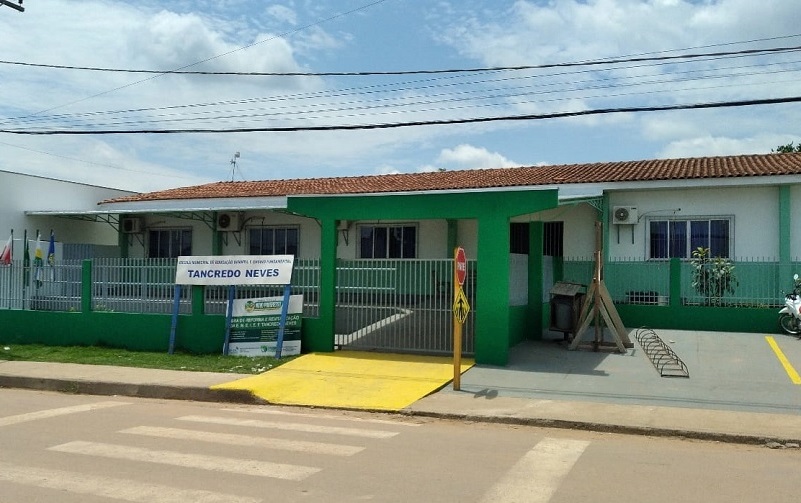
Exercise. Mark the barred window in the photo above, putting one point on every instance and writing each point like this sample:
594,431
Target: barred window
678,238
387,241
274,240
169,243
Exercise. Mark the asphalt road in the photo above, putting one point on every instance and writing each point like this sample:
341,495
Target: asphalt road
68,448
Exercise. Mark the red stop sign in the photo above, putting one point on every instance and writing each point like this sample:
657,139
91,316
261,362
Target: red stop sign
461,266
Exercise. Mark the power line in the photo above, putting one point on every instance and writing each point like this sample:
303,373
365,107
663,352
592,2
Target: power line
394,125
773,50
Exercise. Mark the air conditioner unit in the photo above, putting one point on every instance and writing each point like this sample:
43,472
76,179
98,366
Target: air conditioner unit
131,225
229,222
624,215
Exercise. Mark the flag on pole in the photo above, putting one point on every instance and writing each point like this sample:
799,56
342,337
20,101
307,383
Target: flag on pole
51,255
7,255
38,260
26,263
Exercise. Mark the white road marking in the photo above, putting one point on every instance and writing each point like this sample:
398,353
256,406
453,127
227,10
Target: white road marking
245,440
275,412
200,461
62,411
113,488
306,428
537,475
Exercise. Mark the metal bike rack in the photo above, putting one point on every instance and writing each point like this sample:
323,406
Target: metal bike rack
666,362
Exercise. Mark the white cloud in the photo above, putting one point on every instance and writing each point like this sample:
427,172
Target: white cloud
470,157
283,14
716,146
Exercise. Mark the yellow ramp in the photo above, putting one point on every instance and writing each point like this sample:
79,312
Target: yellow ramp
351,379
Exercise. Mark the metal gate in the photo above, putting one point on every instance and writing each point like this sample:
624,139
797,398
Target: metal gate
401,306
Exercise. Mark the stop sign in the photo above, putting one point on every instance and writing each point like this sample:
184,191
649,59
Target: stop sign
461,266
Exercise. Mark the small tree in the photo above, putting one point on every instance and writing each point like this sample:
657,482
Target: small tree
787,149
712,277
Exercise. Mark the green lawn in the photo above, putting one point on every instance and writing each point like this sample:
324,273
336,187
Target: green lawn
124,358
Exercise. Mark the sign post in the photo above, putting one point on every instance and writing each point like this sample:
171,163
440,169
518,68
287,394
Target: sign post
460,309
232,270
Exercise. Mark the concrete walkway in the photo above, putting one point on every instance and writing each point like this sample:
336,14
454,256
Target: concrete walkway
738,390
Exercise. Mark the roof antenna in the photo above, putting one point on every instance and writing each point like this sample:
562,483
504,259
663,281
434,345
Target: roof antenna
233,165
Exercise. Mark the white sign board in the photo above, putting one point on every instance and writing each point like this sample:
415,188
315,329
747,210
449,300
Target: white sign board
235,270
255,325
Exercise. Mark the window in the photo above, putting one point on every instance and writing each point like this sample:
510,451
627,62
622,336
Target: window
387,241
678,238
518,238
274,240
169,243
552,239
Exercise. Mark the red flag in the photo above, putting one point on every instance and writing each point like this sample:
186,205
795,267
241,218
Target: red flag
7,255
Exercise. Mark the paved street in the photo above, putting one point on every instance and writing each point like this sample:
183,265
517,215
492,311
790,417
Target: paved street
79,448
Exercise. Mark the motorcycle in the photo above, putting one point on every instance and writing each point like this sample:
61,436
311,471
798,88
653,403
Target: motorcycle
790,314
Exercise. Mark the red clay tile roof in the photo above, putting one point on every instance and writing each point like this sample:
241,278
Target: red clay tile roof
602,172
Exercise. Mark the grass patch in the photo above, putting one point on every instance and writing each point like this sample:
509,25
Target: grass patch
93,355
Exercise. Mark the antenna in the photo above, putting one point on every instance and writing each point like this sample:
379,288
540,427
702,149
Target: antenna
233,165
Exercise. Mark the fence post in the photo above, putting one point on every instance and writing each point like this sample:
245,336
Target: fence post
86,286
198,300
675,282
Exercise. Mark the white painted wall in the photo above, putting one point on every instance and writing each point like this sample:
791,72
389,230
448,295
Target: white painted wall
755,213
20,193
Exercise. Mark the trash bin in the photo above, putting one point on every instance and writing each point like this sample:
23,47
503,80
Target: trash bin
566,299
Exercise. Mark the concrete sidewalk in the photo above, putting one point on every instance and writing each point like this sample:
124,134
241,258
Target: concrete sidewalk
488,394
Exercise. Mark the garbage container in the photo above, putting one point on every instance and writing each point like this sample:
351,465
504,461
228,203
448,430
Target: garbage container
566,299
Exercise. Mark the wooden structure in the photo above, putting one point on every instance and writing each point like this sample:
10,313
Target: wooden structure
598,306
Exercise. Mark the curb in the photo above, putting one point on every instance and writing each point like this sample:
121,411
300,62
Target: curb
158,391
609,428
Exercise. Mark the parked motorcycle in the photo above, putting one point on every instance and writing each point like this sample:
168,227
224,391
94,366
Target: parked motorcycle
790,314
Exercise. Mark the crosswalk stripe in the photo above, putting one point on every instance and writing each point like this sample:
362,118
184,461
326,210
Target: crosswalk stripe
245,440
62,411
200,461
275,412
537,475
107,487
306,428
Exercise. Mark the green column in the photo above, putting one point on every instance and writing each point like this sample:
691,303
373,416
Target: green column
492,295
216,238
785,236
320,337
675,282
535,307
453,237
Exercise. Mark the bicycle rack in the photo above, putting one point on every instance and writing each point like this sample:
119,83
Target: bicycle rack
666,362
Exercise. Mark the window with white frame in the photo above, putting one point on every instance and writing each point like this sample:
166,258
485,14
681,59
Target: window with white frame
169,243
679,237
273,240
387,241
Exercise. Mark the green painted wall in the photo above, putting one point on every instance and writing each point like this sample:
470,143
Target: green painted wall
138,332
492,211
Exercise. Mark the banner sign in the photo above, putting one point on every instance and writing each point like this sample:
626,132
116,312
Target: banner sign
255,324
235,270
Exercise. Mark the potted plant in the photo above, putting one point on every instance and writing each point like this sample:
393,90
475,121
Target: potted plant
713,277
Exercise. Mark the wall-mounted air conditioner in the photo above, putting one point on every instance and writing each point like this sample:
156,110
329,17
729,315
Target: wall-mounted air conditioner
229,222
132,225
624,215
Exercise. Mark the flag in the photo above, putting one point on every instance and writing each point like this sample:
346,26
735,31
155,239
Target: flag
26,263
51,256
38,260
7,255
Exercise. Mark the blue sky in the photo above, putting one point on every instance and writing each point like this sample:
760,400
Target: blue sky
379,36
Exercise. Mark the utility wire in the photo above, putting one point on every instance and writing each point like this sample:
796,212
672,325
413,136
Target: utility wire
394,125
575,86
